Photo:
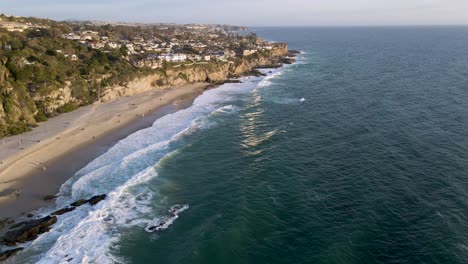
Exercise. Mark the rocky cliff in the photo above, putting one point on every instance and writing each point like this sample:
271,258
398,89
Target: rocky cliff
214,72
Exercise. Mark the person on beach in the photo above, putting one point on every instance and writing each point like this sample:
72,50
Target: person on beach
42,165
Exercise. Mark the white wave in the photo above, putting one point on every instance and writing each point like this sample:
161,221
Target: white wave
267,81
228,109
162,223
91,239
88,234
285,101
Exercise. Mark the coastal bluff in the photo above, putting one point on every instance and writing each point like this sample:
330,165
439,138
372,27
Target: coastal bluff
215,73
26,107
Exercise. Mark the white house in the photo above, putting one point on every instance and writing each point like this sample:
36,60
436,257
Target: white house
170,57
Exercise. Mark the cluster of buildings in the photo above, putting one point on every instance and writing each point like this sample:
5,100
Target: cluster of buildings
175,44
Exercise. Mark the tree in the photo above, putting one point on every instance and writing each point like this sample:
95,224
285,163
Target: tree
124,50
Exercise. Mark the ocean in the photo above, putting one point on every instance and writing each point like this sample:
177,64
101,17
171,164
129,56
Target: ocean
358,153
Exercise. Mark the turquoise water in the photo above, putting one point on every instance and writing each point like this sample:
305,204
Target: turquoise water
369,167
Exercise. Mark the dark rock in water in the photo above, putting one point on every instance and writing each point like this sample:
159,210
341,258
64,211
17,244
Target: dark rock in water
79,203
18,225
29,230
9,253
271,66
49,197
257,73
63,211
232,81
96,199
6,221
295,52
288,60
30,215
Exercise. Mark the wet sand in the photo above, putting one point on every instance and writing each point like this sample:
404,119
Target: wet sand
37,163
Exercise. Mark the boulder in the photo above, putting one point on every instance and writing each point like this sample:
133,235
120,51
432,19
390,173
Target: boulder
18,225
232,81
288,60
9,253
255,73
294,52
63,211
28,231
92,201
96,199
79,203
49,197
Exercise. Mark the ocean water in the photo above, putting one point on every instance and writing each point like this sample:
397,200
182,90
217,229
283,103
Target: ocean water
358,153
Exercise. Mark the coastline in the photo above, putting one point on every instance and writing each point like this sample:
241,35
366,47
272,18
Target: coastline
25,211
35,164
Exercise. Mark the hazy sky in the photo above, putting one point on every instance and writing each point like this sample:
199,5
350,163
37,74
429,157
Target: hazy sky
250,12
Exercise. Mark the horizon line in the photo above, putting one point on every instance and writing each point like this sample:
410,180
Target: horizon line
248,26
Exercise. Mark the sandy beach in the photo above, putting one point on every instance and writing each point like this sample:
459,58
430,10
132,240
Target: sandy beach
37,163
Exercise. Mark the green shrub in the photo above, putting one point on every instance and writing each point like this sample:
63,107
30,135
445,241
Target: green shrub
40,117
17,128
68,107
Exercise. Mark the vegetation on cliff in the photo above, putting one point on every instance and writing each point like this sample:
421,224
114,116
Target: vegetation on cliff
40,78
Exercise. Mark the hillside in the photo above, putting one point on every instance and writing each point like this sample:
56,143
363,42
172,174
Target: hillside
45,72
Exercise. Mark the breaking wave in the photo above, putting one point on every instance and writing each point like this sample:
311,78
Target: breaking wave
88,234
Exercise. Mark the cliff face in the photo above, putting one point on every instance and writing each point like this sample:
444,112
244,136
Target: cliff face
134,87
201,72
22,105
55,99
171,77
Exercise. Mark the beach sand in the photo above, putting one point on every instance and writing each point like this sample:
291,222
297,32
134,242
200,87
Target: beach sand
37,163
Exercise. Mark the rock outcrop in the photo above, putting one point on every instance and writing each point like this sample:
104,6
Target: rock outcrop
28,231
96,199
63,211
9,253
79,203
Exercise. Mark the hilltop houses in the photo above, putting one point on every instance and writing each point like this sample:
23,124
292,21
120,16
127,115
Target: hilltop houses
72,36
175,44
172,57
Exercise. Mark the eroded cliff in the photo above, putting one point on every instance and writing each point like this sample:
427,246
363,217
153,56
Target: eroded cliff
22,107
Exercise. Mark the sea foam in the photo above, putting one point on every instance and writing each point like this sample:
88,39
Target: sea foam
88,234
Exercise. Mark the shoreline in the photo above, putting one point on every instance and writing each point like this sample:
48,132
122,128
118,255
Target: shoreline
25,210
36,164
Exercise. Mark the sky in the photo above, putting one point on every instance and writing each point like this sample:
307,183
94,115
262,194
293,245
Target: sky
250,12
